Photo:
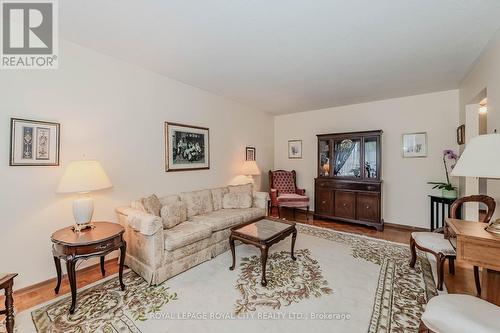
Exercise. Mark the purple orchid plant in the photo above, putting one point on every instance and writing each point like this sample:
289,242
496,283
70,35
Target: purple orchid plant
452,158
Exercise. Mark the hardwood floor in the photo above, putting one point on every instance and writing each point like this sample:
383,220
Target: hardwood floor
461,282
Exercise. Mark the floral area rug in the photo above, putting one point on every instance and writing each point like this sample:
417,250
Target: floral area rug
339,283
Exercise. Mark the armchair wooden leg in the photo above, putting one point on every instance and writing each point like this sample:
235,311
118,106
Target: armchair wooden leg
440,259
451,266
477,281
413,253
279,212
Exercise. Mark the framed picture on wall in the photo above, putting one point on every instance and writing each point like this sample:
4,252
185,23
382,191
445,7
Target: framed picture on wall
295,149
34,143
415,144
186,147
250,153
461,134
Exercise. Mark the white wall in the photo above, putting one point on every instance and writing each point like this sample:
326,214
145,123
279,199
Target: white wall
405,190
485,74
113,112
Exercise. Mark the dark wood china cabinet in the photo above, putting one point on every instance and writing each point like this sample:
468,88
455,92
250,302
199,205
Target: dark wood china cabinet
348,187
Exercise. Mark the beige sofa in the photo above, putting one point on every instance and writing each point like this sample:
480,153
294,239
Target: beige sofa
191,228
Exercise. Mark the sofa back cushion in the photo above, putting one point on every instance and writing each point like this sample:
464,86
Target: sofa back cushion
237,200
197,202
217,196
173,211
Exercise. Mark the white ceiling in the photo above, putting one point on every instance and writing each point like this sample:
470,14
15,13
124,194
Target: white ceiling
286,56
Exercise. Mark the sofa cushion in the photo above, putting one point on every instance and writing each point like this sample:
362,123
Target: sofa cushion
246,188
184,234
252,213
173,212
217,195
237,200
221,219
152,205
197,202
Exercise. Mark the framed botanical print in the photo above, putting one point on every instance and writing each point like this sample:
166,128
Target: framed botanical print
186,147
250,154
415,144
34,143
295,149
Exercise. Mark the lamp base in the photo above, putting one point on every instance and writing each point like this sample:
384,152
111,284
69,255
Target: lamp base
80,227
83,209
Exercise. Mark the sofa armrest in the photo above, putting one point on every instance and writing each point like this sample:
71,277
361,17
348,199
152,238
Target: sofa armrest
143,234
260,200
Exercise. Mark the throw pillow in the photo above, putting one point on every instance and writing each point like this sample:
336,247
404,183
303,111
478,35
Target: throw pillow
173,213
247,188
237,200
152,205
218,195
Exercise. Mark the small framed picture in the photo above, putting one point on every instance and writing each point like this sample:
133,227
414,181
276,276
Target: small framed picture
250,153
295,149
415,144
186,147
461,134
34,143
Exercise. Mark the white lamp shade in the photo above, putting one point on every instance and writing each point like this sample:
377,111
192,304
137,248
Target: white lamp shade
250,168
481,158
83,176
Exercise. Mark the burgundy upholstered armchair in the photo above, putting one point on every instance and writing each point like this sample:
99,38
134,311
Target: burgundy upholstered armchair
284,192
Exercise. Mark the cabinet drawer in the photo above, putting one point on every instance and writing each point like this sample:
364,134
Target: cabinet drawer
345,204
368,207
324,201
351,186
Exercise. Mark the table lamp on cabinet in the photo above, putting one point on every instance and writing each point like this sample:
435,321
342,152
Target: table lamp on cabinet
83,177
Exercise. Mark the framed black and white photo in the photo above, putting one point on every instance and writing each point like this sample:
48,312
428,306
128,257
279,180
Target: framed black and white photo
415,144
34,143
186,147
250,154
295,149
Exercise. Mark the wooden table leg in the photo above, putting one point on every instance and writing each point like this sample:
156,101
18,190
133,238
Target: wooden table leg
294,237
123,251
103,271
9,308
490,286
57,262
70,267
231,244
263,260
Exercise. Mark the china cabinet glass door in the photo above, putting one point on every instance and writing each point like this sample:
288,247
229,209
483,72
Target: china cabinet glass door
324,158
370,158
347,158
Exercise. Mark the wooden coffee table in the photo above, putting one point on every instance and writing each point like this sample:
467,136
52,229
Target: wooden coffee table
262,233
72,246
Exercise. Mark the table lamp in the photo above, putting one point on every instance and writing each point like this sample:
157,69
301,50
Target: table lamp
481,158
250,169
83,177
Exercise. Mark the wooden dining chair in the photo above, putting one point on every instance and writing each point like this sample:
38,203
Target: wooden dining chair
436,244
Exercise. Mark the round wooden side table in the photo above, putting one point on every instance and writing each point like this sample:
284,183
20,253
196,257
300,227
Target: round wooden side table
72,246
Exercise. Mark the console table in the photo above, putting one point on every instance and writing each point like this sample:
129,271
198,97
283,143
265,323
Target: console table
7,282
440,205
72,246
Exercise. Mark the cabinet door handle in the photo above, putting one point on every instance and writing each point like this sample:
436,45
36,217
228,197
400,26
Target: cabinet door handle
323,202
344,205
367,207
